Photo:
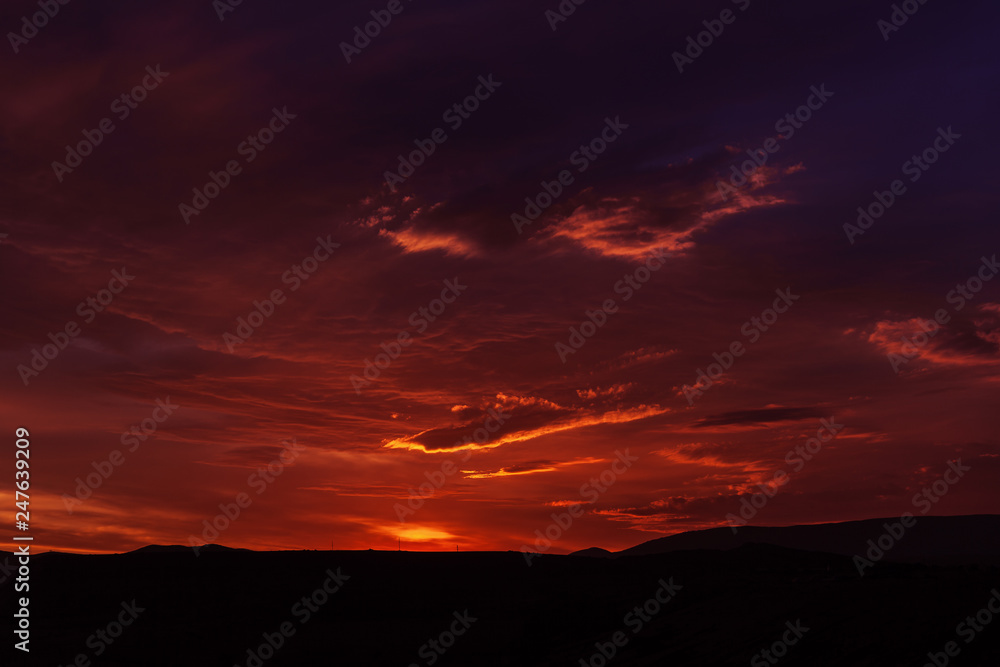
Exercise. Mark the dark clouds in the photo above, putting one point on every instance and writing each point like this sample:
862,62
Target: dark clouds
654,187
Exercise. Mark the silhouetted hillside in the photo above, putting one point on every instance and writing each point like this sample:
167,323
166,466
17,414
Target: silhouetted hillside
177,548
723,607
933,539
594,552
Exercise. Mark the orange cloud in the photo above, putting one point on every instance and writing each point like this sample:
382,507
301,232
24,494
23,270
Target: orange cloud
554,421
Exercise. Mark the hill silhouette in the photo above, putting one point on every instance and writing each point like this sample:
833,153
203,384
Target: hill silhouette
933,539
178,548
724,606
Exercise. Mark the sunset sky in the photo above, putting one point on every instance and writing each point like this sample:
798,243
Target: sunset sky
381,249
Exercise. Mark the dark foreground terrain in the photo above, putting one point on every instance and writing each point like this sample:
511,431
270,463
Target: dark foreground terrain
723,607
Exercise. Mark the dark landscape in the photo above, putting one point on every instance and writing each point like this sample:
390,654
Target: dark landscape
729,603
520,333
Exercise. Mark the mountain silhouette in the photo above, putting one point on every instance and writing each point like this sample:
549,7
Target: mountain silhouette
177,548
933,539
698,598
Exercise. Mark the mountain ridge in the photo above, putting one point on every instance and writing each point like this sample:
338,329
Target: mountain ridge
973,538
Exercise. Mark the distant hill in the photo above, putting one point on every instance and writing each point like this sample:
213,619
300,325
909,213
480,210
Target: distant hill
178,548
594,552
943,540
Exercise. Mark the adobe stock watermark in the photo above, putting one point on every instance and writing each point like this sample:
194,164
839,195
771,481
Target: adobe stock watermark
901,13
420,319
22,584
294,276
432,650
88,310
628,286
590,492
7,568
796,458
563,11
381,18
968,629
131,438
438,478
923,501
786,127
223,7
915,167
963,293
753,329
31,26
122,106
103,638
454,115
302,611
779,649
582,158
635,620
714,28
259,481
249,149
